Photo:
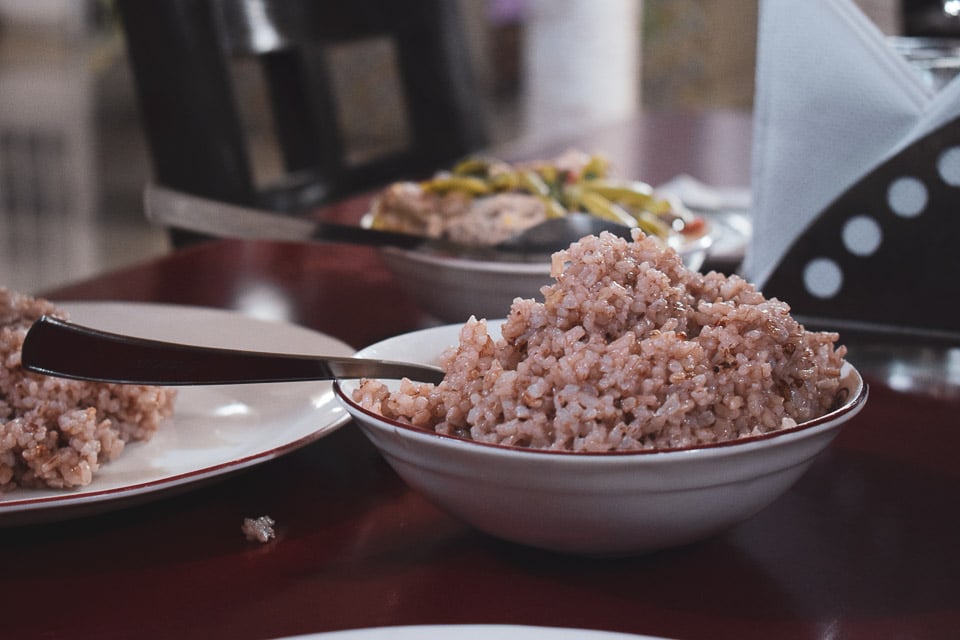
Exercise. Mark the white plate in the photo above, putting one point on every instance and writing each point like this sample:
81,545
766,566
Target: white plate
471,632
215,430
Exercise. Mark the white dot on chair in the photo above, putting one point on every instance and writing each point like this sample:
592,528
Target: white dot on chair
862,235
907,197
822,278
948,166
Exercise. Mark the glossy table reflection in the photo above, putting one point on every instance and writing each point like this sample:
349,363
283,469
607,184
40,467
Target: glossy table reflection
864,546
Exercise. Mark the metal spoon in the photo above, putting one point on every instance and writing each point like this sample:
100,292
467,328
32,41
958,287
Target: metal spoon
58,348
221,220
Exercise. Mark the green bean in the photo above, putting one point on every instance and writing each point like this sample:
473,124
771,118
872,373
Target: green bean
571,196
630,193
548,172
557,184
596,167
473,166
532,182
554,208
652,225
443,184
662,208
504,181
604,208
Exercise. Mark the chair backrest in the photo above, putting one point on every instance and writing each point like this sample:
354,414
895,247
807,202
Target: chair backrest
183,52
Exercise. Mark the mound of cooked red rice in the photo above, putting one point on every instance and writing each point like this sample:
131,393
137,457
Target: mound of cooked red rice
629,350
56,432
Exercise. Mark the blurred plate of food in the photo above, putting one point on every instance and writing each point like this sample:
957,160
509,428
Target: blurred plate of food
483,201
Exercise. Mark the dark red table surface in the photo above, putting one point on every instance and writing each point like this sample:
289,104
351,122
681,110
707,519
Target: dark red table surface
863,546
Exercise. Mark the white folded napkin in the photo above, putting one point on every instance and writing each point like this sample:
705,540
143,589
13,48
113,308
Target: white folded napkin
833,101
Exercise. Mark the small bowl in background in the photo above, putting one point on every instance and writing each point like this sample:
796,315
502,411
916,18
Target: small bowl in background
615,503
452,289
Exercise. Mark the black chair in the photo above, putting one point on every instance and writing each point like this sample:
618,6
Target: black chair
182,54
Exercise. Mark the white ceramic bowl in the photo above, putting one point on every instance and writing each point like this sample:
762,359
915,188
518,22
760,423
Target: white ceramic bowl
452,289
596,504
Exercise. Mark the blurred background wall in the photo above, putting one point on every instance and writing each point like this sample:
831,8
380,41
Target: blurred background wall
73,160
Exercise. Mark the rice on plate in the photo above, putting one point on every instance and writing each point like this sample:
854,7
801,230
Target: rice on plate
56,432
629,350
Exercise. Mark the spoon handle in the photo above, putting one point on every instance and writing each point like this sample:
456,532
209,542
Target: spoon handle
172,208
67,350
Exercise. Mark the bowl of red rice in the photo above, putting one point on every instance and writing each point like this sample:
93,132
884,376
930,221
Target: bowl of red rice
638,405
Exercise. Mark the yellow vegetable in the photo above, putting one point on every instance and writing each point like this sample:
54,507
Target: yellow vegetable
554,208
596,167
472,166
504,181
630,192
604,208
653,225
530,181
443,184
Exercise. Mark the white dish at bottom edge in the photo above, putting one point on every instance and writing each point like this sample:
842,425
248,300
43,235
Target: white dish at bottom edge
471,632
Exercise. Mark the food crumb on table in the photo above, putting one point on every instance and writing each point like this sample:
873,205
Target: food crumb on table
259,529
